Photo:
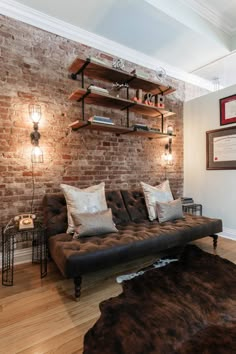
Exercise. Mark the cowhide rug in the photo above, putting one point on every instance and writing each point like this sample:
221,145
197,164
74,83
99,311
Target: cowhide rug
187,307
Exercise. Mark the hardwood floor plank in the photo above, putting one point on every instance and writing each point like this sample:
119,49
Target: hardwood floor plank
40,315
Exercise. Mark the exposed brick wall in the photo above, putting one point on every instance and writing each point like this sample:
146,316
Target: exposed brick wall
34,69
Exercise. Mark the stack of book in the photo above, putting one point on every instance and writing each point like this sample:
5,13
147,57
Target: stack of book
187,200
101,120
140,127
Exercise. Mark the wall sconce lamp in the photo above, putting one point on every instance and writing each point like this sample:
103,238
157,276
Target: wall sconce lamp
168,153
35,116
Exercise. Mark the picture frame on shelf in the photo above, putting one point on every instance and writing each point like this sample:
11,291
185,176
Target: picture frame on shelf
228,110
221,149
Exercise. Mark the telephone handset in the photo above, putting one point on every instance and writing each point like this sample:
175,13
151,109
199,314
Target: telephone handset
25,221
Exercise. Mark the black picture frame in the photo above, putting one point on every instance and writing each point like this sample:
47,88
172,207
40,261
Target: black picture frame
228,110
221,149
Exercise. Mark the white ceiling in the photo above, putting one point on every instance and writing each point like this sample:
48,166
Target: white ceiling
193,36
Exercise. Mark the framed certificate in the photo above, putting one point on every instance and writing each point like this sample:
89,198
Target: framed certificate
221,149
228,110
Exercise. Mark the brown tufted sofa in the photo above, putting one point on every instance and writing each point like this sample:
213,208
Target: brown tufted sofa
137,236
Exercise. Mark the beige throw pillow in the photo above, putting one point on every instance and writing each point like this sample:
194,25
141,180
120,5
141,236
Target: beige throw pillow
169,211
93,224
152,195
88,200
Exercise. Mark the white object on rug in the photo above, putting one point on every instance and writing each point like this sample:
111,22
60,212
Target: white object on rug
158,264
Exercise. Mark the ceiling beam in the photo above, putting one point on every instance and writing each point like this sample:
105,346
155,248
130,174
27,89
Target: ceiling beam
181,11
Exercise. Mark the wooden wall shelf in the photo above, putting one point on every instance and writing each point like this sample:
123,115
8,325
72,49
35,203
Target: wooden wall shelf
99,71
150,134
99,99
150,111
99,126
95,69
107,100
77,125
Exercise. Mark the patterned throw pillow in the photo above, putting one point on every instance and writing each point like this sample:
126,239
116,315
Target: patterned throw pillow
152,195
169,211
88,200
93,224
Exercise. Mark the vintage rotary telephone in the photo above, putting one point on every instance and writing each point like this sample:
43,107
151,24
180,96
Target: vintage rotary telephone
25,221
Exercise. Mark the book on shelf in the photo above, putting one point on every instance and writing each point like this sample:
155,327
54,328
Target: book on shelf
100,119
155,130
187,200
94,88
96,60
140,127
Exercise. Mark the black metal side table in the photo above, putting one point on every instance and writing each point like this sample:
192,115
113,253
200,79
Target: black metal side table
192,208
12,235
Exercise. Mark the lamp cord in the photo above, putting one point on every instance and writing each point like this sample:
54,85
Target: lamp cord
33,187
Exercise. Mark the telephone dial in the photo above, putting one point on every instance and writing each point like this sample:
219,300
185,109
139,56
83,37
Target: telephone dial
25,221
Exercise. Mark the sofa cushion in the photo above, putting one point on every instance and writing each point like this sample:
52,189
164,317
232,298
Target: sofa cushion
169,211
90,224
55,211
74,257
87,200
135,204
115,202
160,193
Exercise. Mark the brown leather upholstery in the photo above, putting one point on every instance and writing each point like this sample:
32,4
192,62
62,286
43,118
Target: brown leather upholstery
115,202
55,213
135,204
134,240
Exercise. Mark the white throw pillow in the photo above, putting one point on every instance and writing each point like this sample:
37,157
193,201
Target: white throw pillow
88,200
161,193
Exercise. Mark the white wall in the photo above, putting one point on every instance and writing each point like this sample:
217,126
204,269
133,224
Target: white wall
214,189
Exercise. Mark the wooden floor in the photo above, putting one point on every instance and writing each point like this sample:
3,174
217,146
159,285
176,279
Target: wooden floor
40,316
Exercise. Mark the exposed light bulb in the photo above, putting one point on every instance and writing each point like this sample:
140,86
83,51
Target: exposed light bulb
35,117
37,155
169,159
35,112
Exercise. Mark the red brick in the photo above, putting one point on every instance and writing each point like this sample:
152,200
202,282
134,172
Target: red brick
39,75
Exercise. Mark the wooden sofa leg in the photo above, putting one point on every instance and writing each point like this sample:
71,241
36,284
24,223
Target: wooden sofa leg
215,238
77,282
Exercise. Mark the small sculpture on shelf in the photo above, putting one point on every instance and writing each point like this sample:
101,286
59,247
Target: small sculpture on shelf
139,96
117,87
160,73
148,99
118,64
160,101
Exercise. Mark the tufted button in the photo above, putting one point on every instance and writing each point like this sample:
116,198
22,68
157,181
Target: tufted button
118,205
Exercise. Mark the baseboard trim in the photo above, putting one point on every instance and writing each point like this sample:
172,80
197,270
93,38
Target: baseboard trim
20,256
228,233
